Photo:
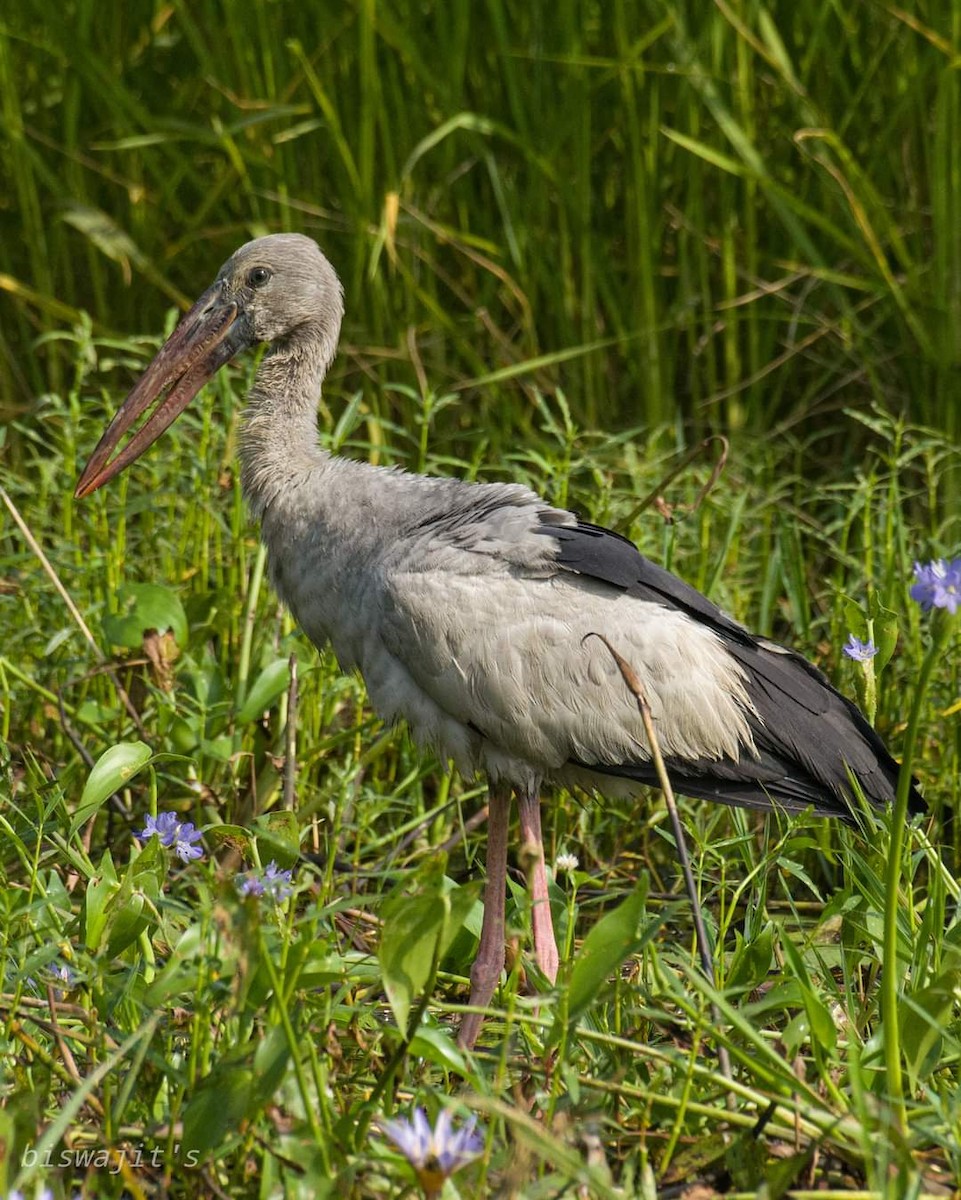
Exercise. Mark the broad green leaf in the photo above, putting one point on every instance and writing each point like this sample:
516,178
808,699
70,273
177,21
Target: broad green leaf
607,945
695,1156
416,932
221,748
112,771
132,908
278,838
924,1018
217,1107
751,961
270,1064
152,862
100,888
885,636
438,1047
745,1158
128,915
271,683
182,971
143,606
855,618
782,1174
238,836
884,626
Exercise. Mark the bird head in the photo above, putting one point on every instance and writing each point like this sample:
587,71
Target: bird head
274,289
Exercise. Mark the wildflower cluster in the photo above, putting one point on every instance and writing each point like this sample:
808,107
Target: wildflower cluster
938,584
174,833
277,885
435,1154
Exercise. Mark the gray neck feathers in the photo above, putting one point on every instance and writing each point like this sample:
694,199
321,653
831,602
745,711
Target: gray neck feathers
278,437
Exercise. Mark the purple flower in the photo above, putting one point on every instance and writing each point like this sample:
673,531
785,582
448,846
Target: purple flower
249,884
180,835
938,584
858,650
166,827
434,1153
278,884
185,845
272,882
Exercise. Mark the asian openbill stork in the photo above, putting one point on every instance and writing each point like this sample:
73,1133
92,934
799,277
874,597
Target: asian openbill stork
466,606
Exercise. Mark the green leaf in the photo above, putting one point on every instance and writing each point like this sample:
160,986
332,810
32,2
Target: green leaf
823,1030
782,1174
723,161
695,1157
885,636
100,888
128,915
111,772
438,1047
751,961
133,906
417,930
278,838
271,683
924,1018
182,971
217,1107
270,1064
745,1159
143,606
239,837
613,938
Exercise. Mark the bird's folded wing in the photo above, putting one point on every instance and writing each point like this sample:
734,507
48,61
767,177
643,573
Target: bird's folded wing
511,656
801,720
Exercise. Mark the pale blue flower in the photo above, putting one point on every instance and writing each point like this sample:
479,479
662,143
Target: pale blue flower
185,845
271,882
278,884
434,1153
250,884
937,584
858,650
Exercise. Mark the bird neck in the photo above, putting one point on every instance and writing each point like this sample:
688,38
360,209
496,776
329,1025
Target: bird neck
278,439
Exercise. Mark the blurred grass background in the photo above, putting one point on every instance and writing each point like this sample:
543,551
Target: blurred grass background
737,215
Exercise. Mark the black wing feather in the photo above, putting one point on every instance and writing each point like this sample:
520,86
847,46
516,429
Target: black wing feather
809,737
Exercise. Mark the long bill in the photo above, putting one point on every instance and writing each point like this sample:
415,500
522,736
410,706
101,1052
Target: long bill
211,333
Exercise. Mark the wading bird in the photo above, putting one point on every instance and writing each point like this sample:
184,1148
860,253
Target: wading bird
467,607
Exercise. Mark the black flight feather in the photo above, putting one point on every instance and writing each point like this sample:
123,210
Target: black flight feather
810,739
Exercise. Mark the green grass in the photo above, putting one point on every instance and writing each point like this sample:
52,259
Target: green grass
260,1041
576,239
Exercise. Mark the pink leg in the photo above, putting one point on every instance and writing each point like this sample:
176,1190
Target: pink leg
545,944
489,962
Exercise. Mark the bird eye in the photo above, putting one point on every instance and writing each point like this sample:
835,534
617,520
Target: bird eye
258,277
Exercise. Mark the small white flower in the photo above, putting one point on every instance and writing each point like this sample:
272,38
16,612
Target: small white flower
565,864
